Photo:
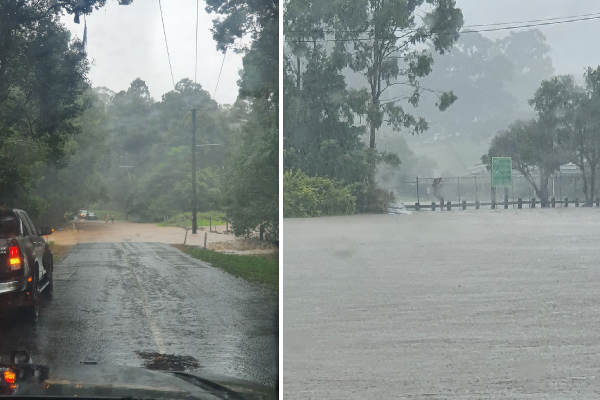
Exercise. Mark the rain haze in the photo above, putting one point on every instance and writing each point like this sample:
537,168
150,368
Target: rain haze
127,42
441,200
571,49
128,239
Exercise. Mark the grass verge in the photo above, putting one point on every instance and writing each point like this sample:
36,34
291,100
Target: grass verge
250,268
204,219
59,251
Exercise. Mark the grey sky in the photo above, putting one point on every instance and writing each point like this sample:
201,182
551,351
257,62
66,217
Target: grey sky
573,45
127,42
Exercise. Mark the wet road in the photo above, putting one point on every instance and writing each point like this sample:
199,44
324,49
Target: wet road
112,300
453,305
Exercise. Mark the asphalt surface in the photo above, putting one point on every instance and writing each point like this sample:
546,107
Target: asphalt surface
460,305
113,301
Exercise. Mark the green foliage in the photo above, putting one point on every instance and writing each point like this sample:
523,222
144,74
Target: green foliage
43,94
251,187
250,268
250,195
202,219
81,181
379,41
305,196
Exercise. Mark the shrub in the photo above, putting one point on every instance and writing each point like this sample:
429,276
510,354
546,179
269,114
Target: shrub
306,196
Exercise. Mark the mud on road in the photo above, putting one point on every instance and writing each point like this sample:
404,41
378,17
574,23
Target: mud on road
115,303
461,305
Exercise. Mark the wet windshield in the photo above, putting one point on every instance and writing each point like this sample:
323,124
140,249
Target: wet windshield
141,139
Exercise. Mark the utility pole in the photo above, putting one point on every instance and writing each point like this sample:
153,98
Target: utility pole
194,194
194,217
194,222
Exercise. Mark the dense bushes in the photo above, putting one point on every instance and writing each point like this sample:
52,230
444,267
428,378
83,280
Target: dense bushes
305,196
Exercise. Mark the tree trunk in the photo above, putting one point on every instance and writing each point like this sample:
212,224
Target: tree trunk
542,192
298,81
372,137
586,192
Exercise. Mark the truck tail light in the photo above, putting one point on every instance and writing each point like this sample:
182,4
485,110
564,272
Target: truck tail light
10,376
14,258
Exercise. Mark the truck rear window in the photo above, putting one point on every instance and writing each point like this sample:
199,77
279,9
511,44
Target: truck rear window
9,225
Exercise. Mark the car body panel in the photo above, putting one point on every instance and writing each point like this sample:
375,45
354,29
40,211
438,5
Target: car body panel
36,260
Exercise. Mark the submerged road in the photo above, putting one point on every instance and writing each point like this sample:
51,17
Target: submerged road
113,301
448,305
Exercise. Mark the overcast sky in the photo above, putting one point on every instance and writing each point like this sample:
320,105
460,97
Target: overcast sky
574,45
127,42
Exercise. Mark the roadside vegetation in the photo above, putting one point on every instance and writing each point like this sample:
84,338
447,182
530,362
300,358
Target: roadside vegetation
204,219
314,196
59,251
259,269
335,110
66,145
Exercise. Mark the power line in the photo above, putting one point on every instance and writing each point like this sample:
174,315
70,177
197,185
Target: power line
550,21
221,70
533,20
196,66
531,25
166,44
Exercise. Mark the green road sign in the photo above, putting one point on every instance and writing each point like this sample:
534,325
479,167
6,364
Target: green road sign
501,171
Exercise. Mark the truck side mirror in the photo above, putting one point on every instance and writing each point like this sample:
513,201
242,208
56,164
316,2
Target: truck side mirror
45,231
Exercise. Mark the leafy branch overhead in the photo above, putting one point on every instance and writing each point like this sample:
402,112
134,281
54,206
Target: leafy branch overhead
380,40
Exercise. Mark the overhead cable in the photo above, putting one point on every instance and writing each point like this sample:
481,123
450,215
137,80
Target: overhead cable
166,44
550,21
196,65
221,70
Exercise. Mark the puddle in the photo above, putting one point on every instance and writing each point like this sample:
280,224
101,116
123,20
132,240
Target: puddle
168,362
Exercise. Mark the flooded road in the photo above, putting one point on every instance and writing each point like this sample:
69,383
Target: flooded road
115,302
461,305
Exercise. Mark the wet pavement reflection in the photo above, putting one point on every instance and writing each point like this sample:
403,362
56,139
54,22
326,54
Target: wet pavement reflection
115,302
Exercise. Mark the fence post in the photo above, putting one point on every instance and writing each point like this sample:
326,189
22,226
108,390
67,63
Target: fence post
418,199
566,202
464,205
519,203
493,198
417,206
449,206
553,202
506,198
433,206
477,204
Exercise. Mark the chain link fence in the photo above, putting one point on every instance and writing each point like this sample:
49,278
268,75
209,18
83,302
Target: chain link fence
478,189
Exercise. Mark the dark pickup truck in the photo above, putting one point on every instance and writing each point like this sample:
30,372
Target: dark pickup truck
25,262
